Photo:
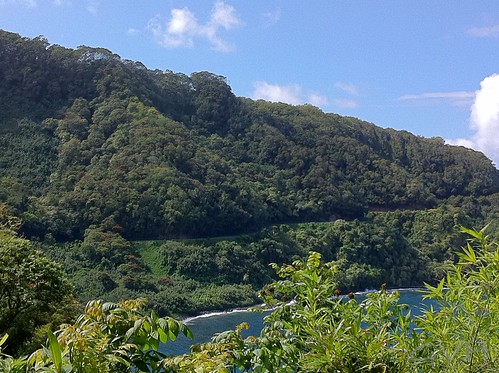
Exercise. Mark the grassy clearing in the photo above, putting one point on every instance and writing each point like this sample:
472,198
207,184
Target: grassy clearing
151,256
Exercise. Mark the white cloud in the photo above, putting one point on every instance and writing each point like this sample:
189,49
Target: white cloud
317,99
290,94
345,103
461,142
223,15
183,27
180,31
348,88
351,90
484,120
484,32
454,98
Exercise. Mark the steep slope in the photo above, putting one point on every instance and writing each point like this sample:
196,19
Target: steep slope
95,140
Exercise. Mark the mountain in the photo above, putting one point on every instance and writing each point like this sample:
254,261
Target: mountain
88,139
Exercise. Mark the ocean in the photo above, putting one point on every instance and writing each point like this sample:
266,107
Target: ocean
205,326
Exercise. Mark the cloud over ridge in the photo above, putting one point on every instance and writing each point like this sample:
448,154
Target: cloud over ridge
290,94
183,28
484,120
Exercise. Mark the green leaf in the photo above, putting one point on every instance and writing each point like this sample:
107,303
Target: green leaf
141,365
468,256
154,343
55,349
186,331
154,316
4,338
173,328
163,337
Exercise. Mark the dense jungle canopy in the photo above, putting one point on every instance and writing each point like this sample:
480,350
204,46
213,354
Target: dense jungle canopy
90,139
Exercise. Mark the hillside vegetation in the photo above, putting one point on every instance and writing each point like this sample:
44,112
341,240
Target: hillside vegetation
89,139
126,176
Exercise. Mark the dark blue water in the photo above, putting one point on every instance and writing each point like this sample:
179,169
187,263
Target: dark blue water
204,327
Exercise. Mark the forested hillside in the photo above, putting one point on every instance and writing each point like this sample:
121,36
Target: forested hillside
89,139
119,182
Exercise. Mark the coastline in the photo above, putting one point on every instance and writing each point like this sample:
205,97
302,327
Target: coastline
187,319
207,314
208,324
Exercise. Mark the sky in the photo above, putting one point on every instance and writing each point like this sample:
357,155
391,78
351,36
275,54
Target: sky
428,67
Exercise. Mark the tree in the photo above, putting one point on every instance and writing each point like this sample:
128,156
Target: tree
312,329
32,287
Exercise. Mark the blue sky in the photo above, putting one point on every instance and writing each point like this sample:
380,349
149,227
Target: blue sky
424,66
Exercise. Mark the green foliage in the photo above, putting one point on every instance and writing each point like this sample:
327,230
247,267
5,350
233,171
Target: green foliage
319,331
103,150
99,141
314,329
108,337
400,248
34,290
463,336
8,364
99,246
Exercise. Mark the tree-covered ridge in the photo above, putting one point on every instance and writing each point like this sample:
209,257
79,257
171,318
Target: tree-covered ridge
95,140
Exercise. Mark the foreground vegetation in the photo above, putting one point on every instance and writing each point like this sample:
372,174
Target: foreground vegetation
319,331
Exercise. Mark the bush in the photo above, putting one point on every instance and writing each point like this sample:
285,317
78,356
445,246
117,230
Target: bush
108,337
